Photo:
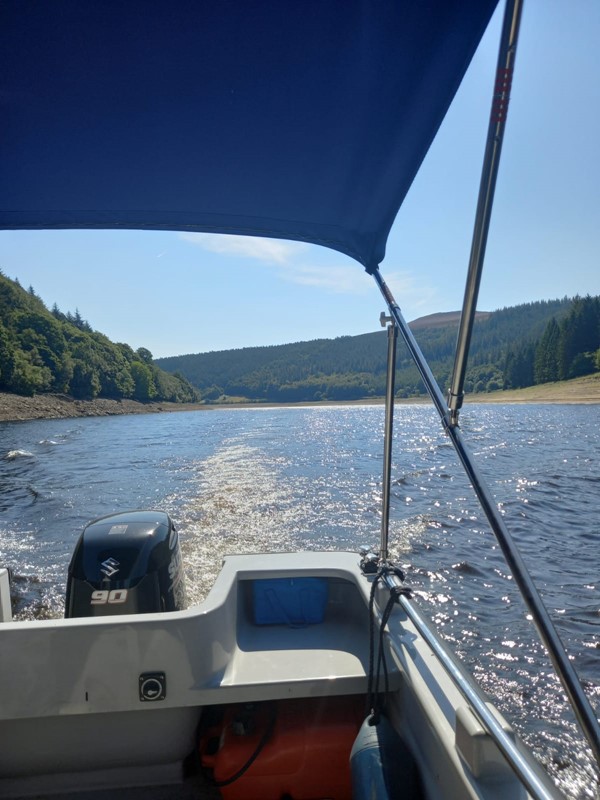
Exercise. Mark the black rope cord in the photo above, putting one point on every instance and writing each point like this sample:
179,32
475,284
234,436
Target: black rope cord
374,701
259,747
370,697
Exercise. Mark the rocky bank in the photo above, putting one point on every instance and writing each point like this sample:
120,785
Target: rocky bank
14,407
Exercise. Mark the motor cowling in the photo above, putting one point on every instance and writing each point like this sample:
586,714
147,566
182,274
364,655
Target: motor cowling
128,563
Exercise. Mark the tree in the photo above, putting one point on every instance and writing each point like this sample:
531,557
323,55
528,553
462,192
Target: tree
579,334
42,333
546,368
582,364
212,393
42,350
7,358
144,355
114,369
85,383
145,389
77,320
519,368
28,377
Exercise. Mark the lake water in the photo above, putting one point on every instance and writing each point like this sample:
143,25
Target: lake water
276,479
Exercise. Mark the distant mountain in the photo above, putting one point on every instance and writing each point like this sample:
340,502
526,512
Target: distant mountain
48,351
442,320
506,352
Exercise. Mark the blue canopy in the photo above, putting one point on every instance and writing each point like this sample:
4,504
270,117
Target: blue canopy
297,119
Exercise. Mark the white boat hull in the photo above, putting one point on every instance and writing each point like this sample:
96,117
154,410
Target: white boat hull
73,718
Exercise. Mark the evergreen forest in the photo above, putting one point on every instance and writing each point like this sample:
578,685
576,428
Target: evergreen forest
45,350
511,348
48,351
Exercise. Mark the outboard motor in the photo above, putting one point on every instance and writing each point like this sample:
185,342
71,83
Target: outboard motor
126,563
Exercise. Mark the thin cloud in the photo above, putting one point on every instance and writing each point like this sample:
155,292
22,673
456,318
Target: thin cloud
270,251
338,279
288,259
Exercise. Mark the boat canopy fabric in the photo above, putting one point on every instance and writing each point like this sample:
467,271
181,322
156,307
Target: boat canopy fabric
297,119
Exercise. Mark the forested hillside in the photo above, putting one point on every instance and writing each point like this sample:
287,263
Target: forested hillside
48,351
511,348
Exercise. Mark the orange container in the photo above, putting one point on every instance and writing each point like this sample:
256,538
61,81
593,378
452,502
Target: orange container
305,753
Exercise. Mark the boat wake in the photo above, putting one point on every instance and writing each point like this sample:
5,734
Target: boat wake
14,454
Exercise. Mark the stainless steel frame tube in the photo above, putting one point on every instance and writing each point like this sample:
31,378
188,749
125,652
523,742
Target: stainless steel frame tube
491,162
546,630
388,435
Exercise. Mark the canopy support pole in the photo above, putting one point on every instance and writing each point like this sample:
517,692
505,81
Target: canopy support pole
392,331
546,630
449,413
487,186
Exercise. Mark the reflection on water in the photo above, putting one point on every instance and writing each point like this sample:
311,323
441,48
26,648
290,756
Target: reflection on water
281,479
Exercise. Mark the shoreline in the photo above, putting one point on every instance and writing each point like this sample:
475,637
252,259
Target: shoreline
16,408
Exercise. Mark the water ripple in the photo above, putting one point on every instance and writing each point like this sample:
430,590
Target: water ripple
279,479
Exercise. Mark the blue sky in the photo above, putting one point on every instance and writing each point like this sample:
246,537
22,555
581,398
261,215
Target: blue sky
180,293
